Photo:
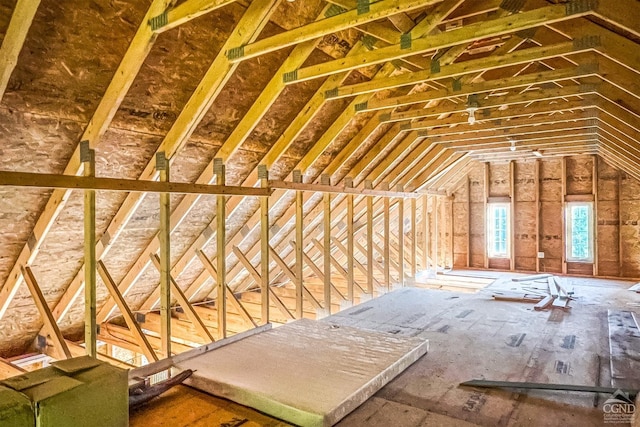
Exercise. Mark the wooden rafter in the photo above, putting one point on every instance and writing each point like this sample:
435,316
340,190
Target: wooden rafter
467,34
343,21
109,104
21,19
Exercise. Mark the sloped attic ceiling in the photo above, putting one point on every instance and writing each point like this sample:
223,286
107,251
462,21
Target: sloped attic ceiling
349,96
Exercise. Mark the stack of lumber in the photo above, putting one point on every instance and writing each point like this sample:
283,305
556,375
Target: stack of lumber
553,294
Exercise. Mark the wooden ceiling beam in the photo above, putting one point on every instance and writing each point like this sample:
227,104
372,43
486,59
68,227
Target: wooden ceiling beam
629,152
317,29
21,19
104,113
497,85
518,57
395,153
529,97
530,144
345,118
621,162
560,108
469,143
516,125
621,13
611,45
70,182
184,12
467,34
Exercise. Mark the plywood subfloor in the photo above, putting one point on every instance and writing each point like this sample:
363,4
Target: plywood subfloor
471,336
185,406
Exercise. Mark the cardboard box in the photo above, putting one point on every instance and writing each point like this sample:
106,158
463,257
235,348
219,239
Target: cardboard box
78,392
15,409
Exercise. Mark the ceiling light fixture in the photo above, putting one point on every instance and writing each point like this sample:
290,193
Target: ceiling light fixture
537,153
513,143
472,107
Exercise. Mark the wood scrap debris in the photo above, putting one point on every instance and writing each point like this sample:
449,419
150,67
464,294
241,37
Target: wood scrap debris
556,294
531,278
635,288
517,297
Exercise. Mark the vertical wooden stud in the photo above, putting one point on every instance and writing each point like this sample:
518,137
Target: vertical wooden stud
164,236
435,241
221,255
87,156
414,235
538,209
512,215
400,237
327,246
368,185
425,232
594,190
620,245
563,236
263,175
450,218
350,237
468,222
297,177
386,248
487,193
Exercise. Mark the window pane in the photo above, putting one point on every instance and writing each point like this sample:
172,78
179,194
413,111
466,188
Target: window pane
498,230
580,232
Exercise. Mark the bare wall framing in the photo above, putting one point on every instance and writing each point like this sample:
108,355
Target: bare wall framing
537,204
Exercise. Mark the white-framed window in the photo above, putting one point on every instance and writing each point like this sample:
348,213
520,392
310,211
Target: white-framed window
579,231
498,230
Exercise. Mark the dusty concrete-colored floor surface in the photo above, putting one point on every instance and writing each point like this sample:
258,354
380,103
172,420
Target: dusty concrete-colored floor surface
472,336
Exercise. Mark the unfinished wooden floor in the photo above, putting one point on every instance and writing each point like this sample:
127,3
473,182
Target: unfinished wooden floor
471,336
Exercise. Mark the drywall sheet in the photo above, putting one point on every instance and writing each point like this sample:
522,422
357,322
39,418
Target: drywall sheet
308,373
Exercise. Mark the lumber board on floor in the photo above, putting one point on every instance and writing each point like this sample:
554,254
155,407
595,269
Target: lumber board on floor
542,386
531,278
544,303
624,345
